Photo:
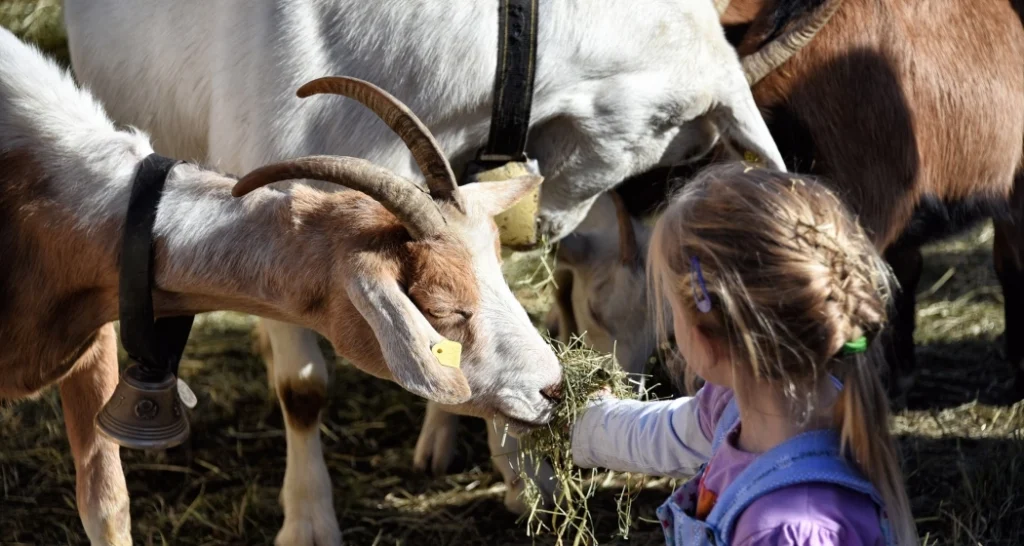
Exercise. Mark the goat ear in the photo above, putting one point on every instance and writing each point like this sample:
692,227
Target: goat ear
494,198
574,249
747,129
408,341
562,318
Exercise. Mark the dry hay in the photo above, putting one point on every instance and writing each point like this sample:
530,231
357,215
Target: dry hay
585,372
38,21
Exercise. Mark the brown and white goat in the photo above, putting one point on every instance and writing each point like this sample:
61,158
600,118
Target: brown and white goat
384,273
600,298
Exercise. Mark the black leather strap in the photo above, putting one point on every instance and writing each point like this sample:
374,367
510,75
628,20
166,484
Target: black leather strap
157,345
513,83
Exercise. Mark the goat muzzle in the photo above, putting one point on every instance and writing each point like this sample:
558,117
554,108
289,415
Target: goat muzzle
144,414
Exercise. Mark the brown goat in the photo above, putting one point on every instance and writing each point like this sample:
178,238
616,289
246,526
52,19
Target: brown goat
914,112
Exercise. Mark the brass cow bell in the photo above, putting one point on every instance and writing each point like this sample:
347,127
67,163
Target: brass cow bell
518,225
144,414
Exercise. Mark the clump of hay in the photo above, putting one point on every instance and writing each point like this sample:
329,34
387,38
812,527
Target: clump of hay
530,269
585,372
37,21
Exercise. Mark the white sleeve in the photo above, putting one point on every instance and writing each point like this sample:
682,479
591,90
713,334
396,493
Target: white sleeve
661,438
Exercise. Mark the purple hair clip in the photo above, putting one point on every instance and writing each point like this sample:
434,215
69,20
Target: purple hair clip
697,279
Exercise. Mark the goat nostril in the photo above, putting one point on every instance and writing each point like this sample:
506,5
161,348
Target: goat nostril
553,393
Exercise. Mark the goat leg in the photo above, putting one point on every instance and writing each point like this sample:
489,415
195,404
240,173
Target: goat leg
300,380
505,457
100,486
435,447
906,263
1007,252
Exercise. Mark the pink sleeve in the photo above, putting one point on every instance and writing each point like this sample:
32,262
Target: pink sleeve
711,402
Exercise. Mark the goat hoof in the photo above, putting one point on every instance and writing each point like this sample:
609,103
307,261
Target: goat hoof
514,503
546,484
435,450
310,530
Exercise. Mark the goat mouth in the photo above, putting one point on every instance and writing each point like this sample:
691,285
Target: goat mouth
517,427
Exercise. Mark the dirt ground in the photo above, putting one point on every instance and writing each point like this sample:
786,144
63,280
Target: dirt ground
963,448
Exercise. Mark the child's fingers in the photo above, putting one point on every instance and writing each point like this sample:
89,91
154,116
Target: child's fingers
595,397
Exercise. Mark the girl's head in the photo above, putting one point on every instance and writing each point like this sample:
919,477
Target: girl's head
788,274
770,278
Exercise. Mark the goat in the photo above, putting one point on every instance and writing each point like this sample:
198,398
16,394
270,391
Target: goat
600,298
384,273
600,292
934,144
613,95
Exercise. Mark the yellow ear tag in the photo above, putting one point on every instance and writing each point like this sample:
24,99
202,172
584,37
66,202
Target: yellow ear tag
448,353
751,157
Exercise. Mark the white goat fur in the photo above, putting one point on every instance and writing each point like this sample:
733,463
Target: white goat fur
621,86
65,177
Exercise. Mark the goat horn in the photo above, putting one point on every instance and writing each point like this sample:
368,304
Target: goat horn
425,150
629,254
758,65
721,6
410,204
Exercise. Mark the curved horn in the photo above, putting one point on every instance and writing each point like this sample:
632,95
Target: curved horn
758,65
411,205
425,150
629,254
721,6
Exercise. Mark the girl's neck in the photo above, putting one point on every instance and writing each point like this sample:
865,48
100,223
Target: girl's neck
768,417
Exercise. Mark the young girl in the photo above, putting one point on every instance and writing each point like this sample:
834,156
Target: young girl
775,294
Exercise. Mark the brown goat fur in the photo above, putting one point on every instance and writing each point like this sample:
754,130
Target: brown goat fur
912,98
56,288
899,103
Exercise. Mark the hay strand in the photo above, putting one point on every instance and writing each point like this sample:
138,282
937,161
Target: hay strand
585,372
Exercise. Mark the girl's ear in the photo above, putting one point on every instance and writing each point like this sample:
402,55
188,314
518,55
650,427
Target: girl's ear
716,349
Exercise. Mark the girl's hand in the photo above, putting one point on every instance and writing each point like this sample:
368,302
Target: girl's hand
597,396
605,392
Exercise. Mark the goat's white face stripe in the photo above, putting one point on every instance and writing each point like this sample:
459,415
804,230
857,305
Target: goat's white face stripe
513,363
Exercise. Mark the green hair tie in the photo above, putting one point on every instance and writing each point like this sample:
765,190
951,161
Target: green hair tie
856,346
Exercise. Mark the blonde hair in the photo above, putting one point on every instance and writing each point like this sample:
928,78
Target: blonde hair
792,278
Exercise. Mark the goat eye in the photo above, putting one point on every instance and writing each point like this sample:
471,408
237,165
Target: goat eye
439,313
595,315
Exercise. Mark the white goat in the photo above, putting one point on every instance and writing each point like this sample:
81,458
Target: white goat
384,273
621,86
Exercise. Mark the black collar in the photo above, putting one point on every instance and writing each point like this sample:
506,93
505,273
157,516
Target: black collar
513,83
157,345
